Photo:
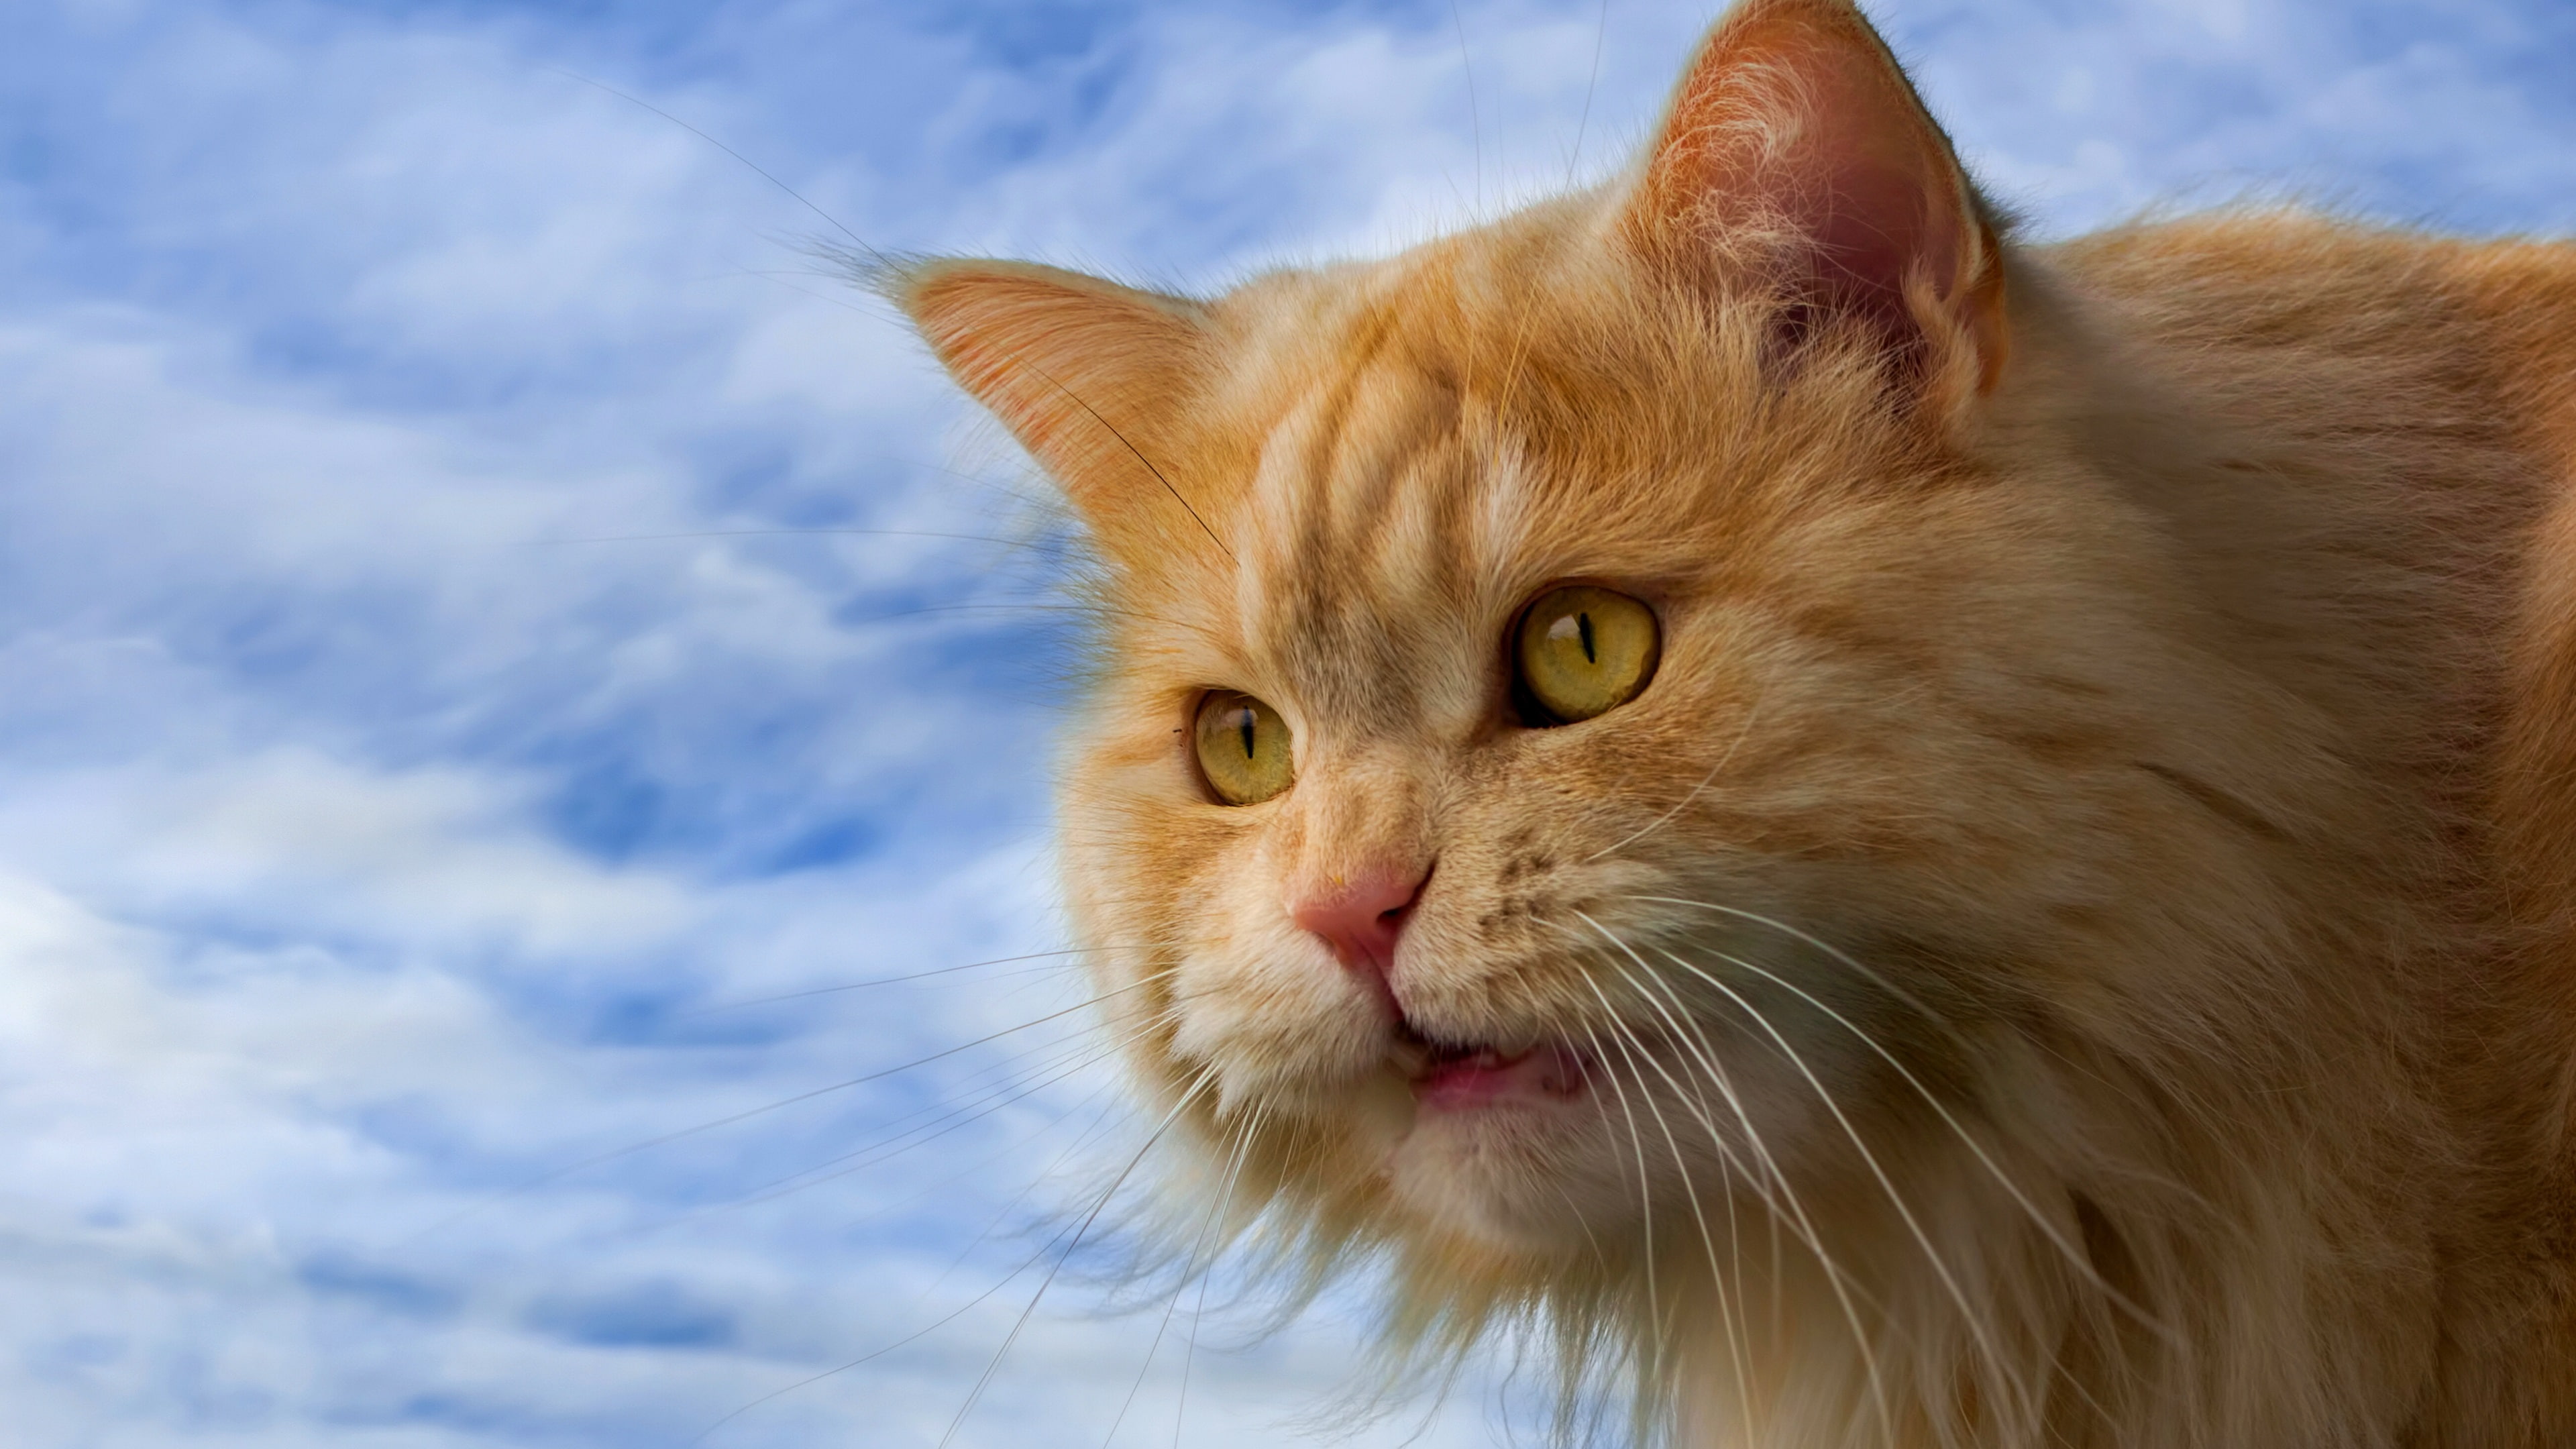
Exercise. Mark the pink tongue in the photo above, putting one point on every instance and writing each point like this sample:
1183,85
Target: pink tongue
1547,1073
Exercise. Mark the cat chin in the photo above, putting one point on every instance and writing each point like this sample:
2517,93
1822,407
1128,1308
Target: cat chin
1566,1160
1524,1176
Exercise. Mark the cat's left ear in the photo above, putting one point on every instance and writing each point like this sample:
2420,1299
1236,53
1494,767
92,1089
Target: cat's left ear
1796,148
1085,373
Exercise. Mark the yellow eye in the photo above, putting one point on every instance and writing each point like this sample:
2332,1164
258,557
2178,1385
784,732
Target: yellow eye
1242,748
1583,651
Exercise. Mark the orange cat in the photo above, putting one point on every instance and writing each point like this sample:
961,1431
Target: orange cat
1899,838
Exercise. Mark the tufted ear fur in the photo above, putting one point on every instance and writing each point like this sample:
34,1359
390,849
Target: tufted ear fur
1084,372
1796,146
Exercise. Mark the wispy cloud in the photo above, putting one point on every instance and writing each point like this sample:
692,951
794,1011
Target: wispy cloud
478,602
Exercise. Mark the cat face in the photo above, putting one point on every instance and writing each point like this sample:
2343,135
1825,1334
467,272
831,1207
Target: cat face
1439,964
1508,977
1469,951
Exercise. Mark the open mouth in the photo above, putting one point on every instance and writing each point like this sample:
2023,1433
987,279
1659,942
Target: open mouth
1464,1076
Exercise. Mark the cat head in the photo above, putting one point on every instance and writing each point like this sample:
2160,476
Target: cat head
1598,713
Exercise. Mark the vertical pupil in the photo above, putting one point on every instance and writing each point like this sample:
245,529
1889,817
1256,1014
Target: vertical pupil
1583,626
1246,721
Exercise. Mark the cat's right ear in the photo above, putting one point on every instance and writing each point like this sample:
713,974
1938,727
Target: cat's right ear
1796,155
1085,373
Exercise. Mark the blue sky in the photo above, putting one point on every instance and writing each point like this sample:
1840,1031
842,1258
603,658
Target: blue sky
477,602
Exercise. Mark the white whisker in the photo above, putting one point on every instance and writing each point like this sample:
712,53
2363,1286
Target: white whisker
1198,1312
2074,1255
1973,1320
1721,1281
1837,1280
1645,1193
1191,1267
984,1379
1837,953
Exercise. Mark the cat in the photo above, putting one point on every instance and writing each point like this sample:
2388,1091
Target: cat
1889,836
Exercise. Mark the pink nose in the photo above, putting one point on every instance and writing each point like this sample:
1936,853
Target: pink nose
1360,917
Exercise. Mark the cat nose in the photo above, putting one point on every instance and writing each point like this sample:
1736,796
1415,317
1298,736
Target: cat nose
1360,916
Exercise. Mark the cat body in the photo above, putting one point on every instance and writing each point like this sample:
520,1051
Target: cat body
2069,935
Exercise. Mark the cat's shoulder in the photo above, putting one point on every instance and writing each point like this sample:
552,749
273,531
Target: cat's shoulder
2280,272
2275,287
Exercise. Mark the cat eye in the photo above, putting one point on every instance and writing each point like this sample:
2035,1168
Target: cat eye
1242,748
1580,651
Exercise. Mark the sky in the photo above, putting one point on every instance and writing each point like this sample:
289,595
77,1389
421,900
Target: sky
499,647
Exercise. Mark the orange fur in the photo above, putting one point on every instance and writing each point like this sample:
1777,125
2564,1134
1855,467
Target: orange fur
2077,934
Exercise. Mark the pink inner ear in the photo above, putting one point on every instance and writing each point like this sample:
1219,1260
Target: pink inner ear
1871,228
1794,119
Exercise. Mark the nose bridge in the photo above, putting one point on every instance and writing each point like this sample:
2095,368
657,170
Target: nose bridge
1365,855
1369,813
